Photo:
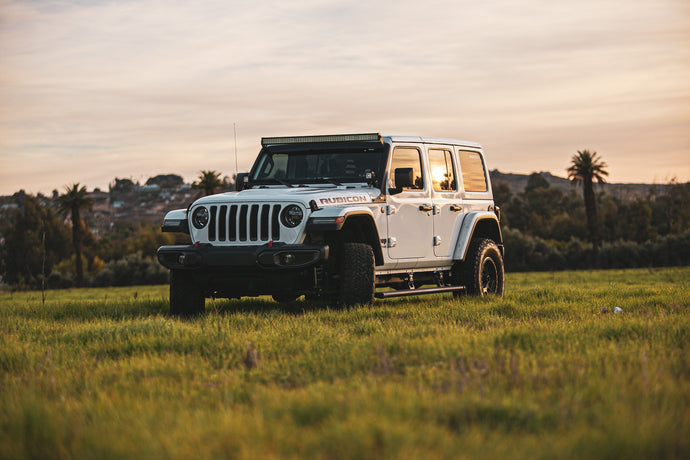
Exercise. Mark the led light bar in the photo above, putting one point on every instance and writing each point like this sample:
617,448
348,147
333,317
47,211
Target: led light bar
327,138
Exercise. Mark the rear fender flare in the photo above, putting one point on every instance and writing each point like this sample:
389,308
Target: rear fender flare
478,224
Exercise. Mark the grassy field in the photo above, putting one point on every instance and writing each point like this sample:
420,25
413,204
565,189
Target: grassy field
546,372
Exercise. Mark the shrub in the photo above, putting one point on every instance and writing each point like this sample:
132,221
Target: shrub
58,280
529,253
133,269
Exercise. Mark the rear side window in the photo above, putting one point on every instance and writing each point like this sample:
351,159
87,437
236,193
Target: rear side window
442,170
408,157
472,171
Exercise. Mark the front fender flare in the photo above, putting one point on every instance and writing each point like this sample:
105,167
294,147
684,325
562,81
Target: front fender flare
342,219
176,221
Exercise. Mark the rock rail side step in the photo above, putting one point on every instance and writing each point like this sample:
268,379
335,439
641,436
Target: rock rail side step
409,292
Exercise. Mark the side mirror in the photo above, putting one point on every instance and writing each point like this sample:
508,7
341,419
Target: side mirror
404,178
241,181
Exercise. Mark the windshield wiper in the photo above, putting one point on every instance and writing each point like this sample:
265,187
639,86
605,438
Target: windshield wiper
276,180
329,180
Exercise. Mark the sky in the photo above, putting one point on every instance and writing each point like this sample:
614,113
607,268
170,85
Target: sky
93,90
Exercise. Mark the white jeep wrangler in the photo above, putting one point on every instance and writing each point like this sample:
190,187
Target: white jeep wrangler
343,218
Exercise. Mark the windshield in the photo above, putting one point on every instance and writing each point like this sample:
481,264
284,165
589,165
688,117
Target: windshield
330,166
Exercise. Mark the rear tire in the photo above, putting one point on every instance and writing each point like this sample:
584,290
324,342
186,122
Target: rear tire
186,298
482,273
357,282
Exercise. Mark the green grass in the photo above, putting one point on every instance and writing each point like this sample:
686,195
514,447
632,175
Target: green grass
543,373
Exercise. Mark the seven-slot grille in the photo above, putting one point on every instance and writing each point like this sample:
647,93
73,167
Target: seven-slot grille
244,222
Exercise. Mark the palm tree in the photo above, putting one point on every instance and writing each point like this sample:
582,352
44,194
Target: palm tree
71,203
209,181
587,167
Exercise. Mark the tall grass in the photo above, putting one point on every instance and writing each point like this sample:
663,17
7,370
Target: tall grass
548,372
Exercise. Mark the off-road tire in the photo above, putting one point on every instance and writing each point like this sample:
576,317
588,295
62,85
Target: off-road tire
186,298
357,283
285,297
482,273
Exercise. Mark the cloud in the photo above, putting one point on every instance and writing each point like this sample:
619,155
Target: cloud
156,86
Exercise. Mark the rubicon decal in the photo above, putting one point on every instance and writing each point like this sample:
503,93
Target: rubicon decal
345,199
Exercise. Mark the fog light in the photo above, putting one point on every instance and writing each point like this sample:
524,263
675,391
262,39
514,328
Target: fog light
288,259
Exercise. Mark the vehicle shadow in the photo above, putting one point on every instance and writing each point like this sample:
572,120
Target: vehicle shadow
262,306
136,309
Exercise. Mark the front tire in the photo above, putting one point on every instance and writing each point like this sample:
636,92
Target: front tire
186,298
285,297
357,282
482,272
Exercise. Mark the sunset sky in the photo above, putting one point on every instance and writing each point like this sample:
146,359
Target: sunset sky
92,90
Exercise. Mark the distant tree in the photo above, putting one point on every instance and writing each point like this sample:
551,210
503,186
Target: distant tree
229,182
122,185
638,220
166,180
502,193
33,239
671,210
72,203
208,181
587,167
536,181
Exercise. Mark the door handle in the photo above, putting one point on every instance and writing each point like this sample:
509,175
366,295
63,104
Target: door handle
455,207
425,207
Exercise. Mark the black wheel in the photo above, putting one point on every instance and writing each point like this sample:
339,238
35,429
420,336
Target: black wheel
186,299
357,283
482,272
285,297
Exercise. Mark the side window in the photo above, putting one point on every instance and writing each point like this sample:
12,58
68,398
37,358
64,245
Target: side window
442,170
408,157
472,171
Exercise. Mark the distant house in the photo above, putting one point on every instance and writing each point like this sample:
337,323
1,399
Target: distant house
148,188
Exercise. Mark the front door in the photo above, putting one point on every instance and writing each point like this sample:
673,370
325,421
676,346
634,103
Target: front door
409,208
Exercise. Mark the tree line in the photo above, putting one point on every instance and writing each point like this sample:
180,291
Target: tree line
46,242
547,229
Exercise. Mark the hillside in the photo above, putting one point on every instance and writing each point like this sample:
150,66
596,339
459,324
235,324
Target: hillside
623,192
129,202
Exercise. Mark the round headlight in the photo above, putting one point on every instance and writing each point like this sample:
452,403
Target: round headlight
200,217
292,216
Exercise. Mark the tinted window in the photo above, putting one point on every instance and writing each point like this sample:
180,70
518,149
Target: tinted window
408,157
442,170
472,171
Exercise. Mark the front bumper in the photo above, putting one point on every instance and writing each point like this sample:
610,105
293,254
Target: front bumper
275,257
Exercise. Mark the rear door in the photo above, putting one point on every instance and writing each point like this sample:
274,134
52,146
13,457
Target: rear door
446,199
